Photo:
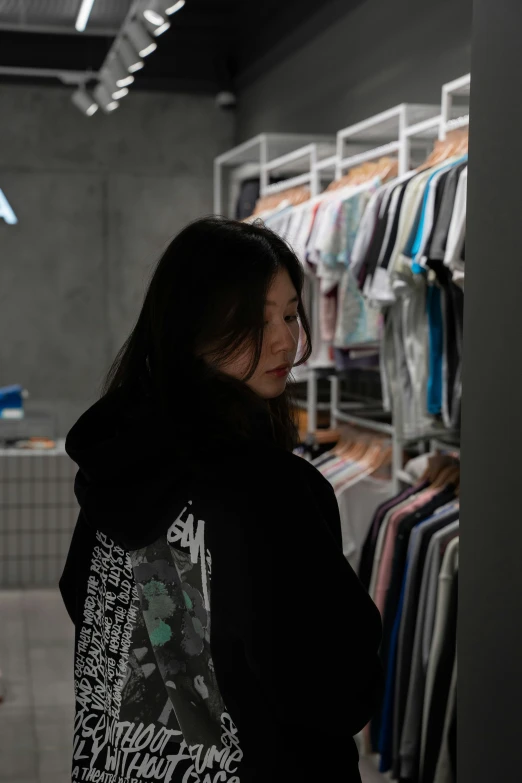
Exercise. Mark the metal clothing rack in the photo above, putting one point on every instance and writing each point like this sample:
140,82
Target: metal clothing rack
256,156
382,135
451,93
307,157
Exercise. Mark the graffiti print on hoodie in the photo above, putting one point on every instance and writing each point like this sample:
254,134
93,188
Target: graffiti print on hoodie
148,706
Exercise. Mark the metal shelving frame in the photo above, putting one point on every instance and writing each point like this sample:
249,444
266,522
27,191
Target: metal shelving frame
258,152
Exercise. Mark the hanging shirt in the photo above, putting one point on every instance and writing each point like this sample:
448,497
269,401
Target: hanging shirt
440,525
435,385
427,214
385,569
442,653
357,505
390,282
411,735
439,239
391,606
446,771
457,229
365,232
368,550
377,559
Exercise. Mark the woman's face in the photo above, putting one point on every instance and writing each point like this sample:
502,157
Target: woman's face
280,342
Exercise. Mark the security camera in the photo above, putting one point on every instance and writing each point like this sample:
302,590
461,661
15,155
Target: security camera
226,100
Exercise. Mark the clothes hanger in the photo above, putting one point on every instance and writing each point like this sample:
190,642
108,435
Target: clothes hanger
384,458
446,476
356,450
292,196
436,463
377,456
384,168
340,445
347,440
455,145
327,436
463,146
373,455
352,177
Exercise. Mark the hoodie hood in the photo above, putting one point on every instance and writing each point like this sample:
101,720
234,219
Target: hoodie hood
136,468
130,473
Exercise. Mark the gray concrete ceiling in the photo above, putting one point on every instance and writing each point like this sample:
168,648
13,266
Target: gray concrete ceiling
212,44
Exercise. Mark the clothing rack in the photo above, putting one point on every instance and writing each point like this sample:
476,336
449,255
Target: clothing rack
399,131
386,126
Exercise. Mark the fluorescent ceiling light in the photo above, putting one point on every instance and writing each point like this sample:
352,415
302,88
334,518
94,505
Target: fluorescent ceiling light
129,56
104,98
117,94
176,7
83,101
140,38
83,15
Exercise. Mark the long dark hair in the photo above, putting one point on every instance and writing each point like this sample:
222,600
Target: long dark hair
210,287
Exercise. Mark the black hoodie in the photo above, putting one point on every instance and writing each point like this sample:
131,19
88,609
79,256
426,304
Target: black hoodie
221,636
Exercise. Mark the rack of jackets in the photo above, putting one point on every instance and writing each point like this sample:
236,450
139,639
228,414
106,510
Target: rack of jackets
409,564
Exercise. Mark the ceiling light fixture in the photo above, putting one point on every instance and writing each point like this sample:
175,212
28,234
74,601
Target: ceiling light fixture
176,7
156,11
84,102
140,38
118,94
161,29
153,17
83,15
129,56
156,31
118,73
104,98
108,78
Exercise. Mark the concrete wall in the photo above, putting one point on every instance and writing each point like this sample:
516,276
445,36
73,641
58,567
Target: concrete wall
382,53
490,581
97,199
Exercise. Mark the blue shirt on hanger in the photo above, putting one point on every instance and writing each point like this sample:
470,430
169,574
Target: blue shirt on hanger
436,349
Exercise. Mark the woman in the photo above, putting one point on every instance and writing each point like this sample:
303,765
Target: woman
220,633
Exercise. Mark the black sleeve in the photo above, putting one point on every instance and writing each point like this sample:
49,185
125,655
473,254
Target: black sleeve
311,632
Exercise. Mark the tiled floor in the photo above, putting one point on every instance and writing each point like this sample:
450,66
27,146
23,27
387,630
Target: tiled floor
36,717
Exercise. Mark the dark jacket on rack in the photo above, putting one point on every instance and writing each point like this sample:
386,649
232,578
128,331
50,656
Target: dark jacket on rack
220,633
